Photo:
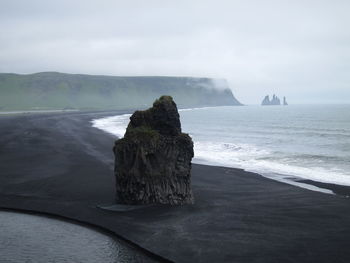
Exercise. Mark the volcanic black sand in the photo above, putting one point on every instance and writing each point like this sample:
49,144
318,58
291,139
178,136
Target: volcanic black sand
59,164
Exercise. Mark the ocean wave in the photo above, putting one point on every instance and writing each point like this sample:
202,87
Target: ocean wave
201,108
253,159
246,156
115,125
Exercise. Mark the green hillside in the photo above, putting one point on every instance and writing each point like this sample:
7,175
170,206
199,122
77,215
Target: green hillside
52,90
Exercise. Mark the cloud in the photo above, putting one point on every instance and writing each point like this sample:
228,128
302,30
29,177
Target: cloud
293,48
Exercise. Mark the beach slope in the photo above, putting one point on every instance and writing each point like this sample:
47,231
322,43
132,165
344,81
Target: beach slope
59,164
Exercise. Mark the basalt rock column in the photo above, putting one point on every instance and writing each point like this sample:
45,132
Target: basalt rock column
153,160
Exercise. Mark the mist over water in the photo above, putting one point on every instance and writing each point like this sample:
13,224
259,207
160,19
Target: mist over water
299,141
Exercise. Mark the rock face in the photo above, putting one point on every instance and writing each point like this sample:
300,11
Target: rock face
267,102
275,100
75,91
285,103
153,160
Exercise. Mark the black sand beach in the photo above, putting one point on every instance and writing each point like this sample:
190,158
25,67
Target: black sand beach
58,164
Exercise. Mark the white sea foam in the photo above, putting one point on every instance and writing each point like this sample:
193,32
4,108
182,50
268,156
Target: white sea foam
115,125
248,156
201,108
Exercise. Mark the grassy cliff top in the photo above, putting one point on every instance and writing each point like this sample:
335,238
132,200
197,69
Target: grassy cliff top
53,90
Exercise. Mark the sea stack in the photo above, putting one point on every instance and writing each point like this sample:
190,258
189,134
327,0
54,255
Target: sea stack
266,101
285,101
274,101
153,160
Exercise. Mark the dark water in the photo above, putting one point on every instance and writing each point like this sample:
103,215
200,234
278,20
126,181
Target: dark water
301,141
304,141
30,238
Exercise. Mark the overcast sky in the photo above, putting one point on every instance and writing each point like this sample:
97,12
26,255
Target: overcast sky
300,49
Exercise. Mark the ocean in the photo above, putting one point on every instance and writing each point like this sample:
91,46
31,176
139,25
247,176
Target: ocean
285,143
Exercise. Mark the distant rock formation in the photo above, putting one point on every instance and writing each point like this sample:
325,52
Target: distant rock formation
267,102
153,160
285,101
275,100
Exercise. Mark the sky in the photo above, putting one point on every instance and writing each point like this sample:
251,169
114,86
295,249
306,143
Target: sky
299,49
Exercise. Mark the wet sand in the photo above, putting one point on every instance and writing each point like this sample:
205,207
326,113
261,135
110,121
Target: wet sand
58,164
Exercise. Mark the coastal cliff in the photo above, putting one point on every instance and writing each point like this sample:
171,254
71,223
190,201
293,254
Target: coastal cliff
53,90
153,160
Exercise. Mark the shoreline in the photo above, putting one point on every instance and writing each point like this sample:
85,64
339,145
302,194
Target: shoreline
59,164
88,225
311,185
